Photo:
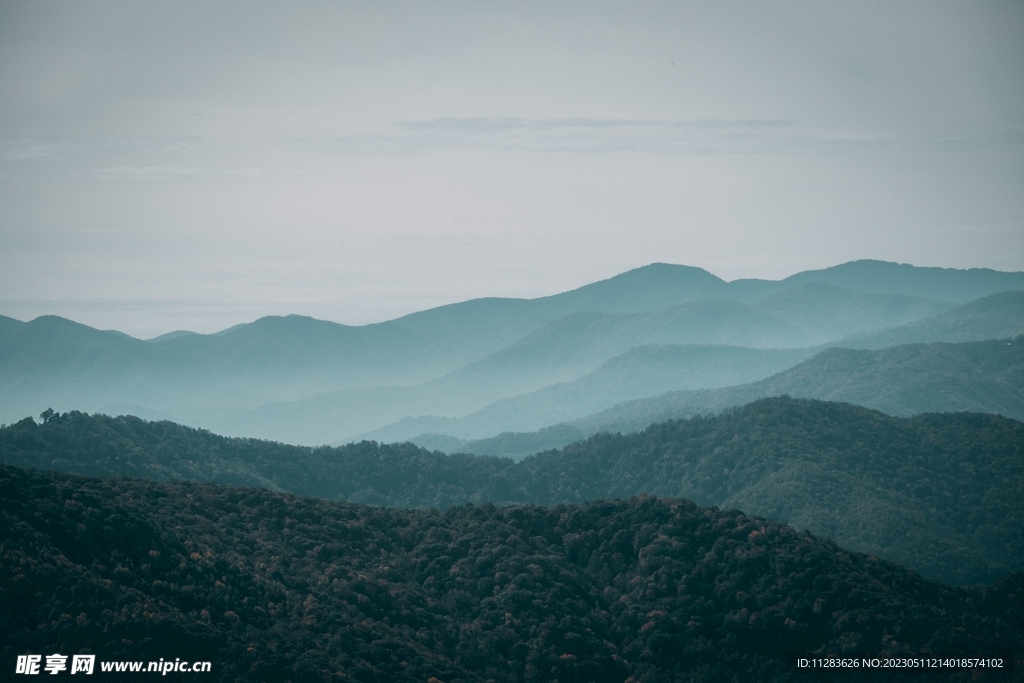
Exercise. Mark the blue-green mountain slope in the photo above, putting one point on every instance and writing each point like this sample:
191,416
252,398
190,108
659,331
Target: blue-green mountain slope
639,372
904,380
454,360
996,316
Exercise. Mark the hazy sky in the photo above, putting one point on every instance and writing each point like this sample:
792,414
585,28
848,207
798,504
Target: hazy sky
196,165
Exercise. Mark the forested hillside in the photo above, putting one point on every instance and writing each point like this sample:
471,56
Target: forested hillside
272,587
938,493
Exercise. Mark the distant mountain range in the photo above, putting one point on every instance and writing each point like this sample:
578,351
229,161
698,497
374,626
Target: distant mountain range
637,373
905,380
310,381
996,316
938,493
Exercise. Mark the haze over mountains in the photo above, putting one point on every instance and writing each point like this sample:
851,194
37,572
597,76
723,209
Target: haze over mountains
632,387
903,380
520,364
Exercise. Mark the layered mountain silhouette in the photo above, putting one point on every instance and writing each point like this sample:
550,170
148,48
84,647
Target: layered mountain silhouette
996,316
874,405
634,374
984,377
303,380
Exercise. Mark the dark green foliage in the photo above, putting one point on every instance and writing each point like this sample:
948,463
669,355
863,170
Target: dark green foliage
938,493
272,587
509,444
397,474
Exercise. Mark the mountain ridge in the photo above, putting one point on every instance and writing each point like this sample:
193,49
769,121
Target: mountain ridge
935,492
864,275
458,358
904,380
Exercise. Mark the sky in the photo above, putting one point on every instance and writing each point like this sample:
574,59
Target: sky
193,166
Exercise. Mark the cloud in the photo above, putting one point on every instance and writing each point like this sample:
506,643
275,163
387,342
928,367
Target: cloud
586,135
150,173
30,153
512,123
64,148
698,136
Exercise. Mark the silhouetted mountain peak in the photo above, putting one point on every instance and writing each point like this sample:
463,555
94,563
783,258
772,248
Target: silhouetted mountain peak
664,275
56,322
176,334
287,324
649,288
49,329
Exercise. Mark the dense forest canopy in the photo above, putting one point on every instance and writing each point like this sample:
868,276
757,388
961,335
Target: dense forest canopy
938,493
270,586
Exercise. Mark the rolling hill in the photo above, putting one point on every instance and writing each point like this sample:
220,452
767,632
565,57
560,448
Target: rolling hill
984,377
996,316
938,493
613,351
830,312
273,587
640,372
903,380
479,400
